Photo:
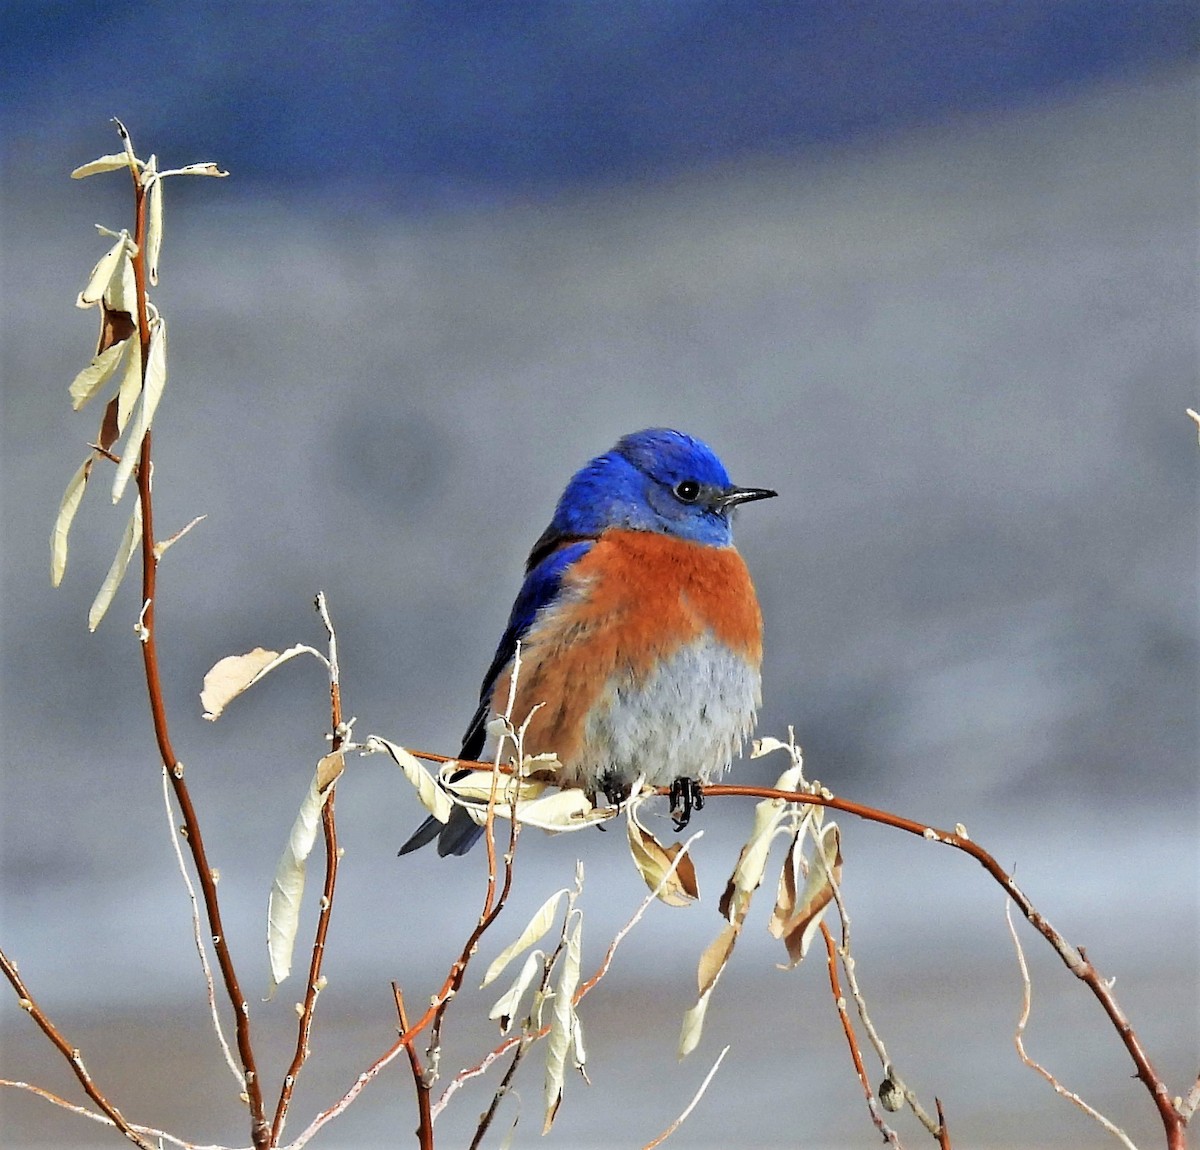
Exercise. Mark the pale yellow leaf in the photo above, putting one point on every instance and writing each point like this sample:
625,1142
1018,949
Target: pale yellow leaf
102,274
557,811
203,169
121,293
562,1015
154,225
230,676
101,164
287,888
131,384
654,863
505,1009
432,797
693,1026
535,929
97,373
128,545
155,381
62,522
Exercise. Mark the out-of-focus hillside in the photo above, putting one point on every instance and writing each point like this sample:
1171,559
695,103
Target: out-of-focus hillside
962,356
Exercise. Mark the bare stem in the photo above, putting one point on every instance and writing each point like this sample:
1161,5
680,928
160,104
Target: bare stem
329,828
259,1130
29,1004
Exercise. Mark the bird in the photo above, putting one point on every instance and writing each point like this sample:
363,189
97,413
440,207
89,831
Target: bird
639,628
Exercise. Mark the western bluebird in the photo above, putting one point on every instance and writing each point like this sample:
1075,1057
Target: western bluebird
640,631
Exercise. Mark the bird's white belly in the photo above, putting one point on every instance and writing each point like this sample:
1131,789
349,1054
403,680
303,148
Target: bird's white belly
686,719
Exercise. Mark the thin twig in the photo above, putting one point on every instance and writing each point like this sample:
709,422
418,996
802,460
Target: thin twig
104,1120
860,1002
329,828
198,937
889,1135
27,1003
1032,1063
690,1106
425,1117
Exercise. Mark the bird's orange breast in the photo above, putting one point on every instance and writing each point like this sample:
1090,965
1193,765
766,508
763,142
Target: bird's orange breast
628,605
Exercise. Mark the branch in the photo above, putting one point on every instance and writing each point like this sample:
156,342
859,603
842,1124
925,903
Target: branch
889,1135
259,1130
1033,1064
27,1003
329,827
1074,959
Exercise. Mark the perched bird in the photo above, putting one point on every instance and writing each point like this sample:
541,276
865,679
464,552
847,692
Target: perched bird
639,628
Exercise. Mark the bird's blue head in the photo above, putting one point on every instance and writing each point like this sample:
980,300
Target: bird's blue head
653,480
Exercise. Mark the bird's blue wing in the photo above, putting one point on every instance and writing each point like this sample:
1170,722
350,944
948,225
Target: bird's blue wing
547,565
541,586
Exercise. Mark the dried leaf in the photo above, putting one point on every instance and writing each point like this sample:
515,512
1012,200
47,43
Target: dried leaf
154,224
66,515
97,373
558,811
102,164
155,381
287,889
230,676
797,917
102,274
128,545
130,387
535,929
505,1009
203,169
562,1019
432,797
654,860
715,957
752,862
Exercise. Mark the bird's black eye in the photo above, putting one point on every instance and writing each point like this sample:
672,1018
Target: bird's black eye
687,491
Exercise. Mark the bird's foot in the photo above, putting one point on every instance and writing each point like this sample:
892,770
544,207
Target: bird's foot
686,795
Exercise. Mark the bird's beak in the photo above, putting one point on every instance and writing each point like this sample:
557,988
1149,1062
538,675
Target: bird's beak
736,495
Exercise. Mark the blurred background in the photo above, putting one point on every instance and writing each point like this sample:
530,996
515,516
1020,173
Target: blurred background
927,268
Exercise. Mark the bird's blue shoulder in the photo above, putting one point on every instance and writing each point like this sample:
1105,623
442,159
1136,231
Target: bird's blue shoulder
547,565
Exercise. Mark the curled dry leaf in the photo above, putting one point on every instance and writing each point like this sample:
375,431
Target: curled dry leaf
97,373
677,887
62,522
230,676
102,274
563,1023
712,962
154,224
800,906
538,803
505,1009
152,389
102,164
126,548
287,888
535,929
432,797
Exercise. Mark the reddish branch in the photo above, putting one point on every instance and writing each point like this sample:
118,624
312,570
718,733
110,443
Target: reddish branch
1074,958
424,1108
839,1002
259,1130
329,827
69,1052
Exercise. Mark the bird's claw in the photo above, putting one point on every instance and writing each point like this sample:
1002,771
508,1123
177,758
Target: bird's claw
686,795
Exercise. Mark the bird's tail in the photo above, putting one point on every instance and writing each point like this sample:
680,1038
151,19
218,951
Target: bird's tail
455,836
